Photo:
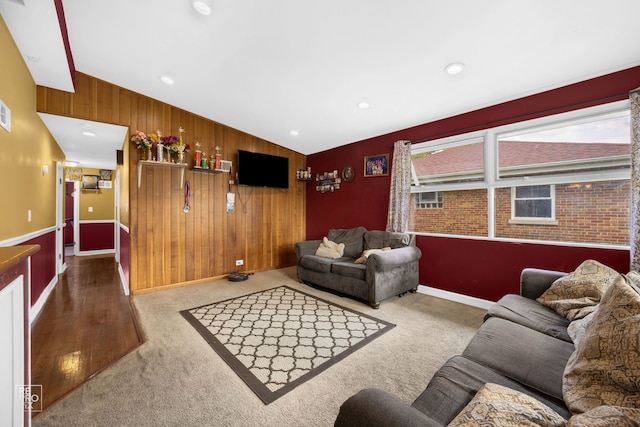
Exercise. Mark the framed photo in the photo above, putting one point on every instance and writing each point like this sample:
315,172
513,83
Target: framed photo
75,174
377,165
90,182
105,174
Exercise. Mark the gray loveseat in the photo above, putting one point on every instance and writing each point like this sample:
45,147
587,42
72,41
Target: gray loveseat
384,274
521,345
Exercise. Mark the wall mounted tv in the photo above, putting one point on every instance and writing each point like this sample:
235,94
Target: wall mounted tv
262,170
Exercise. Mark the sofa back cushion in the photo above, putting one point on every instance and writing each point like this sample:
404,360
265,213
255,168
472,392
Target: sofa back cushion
352,239
381,239
605,367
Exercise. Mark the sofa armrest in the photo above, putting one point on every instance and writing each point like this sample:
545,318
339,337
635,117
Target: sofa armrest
388,260
308,247
373,407
534,281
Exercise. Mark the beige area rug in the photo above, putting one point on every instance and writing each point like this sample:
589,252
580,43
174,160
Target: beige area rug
175,379
279,338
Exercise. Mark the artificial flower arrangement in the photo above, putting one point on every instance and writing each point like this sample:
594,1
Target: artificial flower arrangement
172,144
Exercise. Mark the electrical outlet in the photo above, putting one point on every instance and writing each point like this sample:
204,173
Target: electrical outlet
239,262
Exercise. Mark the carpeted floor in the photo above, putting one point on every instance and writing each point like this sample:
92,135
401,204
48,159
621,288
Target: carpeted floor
174,378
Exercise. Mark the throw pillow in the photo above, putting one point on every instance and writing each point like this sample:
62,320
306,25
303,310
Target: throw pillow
367,252
607,416
577,294
329,249
604,369
495,405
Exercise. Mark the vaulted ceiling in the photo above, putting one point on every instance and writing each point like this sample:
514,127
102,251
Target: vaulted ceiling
294,72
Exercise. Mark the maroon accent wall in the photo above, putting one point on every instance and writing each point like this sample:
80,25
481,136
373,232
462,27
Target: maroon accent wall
43,264
460,265
124,253
490,269
96,236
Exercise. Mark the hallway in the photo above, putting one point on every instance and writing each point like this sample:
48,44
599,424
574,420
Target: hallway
86,324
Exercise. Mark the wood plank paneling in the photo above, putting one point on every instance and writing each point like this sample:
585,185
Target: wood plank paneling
170,247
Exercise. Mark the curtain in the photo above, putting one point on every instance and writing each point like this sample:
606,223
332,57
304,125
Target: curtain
634,233
399,197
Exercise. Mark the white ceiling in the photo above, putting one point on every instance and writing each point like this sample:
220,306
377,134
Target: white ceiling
270,67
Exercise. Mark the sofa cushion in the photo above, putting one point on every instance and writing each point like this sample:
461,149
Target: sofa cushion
606,416
457,381
531,314
498,406
577,294
522,354
367,252
605,368
329,249
379,239
352,238
350,269
316,263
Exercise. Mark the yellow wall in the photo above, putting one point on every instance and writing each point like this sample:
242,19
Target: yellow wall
101,201
25,150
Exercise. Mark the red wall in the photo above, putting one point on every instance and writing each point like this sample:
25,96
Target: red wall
43,263
96,236
472,267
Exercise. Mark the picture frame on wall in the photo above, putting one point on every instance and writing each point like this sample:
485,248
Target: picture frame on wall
105,174
377,165
75,174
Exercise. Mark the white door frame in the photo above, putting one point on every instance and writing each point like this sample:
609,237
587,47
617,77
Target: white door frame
116,206
60,220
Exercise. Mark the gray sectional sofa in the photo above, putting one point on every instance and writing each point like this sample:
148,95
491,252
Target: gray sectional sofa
384,274
522,345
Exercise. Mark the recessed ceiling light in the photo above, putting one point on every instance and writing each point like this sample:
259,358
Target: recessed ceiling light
363,105
87,133
166,80
294,133
201,6
454,68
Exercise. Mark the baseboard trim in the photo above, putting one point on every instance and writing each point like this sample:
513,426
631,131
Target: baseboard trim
453,296
35,309
123,280
98,252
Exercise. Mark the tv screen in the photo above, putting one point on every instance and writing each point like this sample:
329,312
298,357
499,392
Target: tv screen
262,170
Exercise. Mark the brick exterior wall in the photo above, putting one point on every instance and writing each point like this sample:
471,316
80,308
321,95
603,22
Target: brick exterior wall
588,213
585,213
462,212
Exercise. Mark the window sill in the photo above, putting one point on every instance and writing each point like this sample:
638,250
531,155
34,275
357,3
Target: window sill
533,221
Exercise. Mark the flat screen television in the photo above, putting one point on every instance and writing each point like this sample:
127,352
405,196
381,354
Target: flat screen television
262,170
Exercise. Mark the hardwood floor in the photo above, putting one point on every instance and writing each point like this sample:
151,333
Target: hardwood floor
86,324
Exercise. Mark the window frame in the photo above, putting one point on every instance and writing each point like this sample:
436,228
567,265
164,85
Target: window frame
551,220
489,137
439,200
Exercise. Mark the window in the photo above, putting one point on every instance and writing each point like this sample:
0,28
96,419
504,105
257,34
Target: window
533,202
562,178
429,200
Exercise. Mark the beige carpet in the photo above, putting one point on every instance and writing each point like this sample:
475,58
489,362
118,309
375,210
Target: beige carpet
175,379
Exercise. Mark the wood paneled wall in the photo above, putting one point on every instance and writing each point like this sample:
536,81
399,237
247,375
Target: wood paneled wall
169,247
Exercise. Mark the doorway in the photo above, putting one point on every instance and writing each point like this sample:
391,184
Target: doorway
69,218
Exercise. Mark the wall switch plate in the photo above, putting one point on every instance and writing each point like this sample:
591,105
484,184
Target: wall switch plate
90,208
5,117
239,262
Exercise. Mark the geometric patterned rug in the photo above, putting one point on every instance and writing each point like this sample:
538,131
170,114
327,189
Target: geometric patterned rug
277,339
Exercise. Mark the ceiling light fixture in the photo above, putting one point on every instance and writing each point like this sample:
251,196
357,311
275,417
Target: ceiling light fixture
201,6
166,79
87,133
71,163
454,68
294,133
363,105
